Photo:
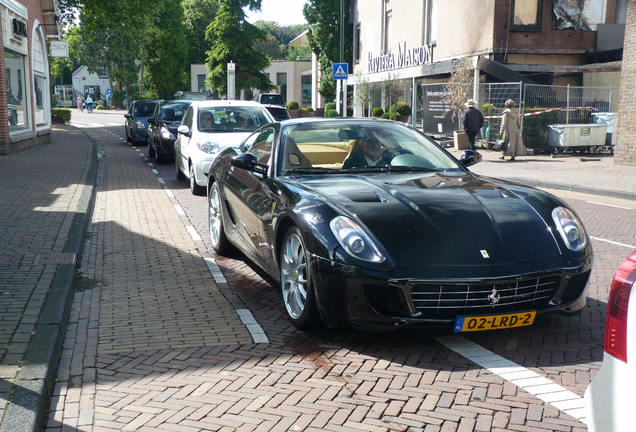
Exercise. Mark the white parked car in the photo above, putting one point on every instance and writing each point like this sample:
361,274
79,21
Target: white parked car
208,128
609,397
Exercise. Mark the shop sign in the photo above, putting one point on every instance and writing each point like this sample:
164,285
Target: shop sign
59,49
406,57
19,29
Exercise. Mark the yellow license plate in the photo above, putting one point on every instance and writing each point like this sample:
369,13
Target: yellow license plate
494,322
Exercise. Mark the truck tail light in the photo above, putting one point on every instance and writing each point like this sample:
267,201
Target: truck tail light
617,308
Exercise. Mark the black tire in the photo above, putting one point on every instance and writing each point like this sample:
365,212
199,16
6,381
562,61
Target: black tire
194,187
160,158
151,151
128,138
180,175
218,239
305,317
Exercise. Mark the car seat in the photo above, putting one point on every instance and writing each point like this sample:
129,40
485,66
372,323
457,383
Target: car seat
354,149
294,158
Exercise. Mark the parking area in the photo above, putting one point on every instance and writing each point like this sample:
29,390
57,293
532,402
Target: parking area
408,380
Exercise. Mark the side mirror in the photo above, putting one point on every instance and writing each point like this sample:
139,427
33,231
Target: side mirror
247,161
127,115
183,130
151,121
469,157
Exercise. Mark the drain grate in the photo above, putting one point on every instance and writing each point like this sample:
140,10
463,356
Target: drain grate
56,258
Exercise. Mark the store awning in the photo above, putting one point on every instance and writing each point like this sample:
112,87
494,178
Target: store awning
51,13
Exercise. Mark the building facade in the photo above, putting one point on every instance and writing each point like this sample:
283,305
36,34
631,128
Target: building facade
25,106
86,83
544,42
292,79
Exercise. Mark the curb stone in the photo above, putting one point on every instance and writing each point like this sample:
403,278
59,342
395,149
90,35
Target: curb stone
576,188
26,410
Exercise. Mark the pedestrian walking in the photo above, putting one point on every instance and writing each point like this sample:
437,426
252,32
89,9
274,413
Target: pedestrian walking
80,103
510,132
473,121
89,103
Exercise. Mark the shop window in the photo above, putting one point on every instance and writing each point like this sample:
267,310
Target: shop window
16,91
569,15
356,45
388,16
526,15
305,84
40,79
281,80
201,82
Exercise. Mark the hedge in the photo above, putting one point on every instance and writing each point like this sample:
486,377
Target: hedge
330,106
377,112
60,115
331,113
292,105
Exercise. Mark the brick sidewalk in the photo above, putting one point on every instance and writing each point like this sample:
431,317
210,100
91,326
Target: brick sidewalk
41,191
565,172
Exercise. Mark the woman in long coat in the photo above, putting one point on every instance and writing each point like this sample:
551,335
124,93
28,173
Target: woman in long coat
510,133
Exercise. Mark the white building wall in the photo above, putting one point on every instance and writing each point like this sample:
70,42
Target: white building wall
82,78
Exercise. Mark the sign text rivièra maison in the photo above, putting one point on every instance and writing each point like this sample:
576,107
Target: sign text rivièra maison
406,57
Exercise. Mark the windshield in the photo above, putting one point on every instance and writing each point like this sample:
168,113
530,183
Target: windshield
360,146
174,111
272,99
143,109
278,113
231,119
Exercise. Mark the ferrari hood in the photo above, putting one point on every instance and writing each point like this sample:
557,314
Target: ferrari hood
437,219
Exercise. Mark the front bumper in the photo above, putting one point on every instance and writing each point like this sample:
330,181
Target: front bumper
139,134
350,296
165,147
202,162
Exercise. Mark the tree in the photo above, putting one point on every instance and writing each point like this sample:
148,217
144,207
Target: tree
284,34
232,39
270,46
323,17
198,14
165,50
62,67
459,88
363,94
298,53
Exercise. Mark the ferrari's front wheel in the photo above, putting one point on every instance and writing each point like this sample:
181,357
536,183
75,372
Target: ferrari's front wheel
296,282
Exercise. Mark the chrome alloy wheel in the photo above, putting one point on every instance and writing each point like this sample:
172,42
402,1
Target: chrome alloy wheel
294,276
214,216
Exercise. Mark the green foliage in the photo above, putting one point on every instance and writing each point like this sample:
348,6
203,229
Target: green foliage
330,106
309,109
60,115
270,46
284,34
166,50
292,105
232,39
377,112
386,116
323,17
197,16
62,68
294,53
331,113
488,109
403,109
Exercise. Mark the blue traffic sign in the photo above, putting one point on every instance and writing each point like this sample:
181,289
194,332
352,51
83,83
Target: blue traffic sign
109,91
340,71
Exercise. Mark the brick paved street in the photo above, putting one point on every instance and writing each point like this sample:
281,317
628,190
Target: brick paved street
153,343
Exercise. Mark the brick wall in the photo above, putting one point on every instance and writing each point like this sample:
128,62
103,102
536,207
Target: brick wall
625,137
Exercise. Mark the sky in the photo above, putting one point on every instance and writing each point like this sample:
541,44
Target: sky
284,12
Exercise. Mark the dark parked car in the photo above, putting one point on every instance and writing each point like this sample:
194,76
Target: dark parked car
278,112
270,99
162,129
371,223
137,120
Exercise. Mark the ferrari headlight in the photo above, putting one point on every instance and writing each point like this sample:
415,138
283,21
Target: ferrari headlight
140,125
166,134
354,240
570,228
208,147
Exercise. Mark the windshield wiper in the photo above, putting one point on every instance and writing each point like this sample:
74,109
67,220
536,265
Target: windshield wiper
313,170
400,168
369,169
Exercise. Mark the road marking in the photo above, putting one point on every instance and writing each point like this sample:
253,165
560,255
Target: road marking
134,147
150,164
161,180
257,332
541,387
155,171
193,233
179,209
169,193
609,205
613,242
96,125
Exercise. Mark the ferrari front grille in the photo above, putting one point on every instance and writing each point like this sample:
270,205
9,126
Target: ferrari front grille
448,300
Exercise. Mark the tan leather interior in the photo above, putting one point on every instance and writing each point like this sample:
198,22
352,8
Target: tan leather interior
328,154
295,158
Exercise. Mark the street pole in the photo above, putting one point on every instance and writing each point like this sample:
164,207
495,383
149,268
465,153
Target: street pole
343,86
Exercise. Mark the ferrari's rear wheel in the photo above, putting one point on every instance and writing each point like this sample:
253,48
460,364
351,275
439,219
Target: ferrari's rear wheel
296,283
219,241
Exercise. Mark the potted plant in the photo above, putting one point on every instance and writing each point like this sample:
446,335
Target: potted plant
292,107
